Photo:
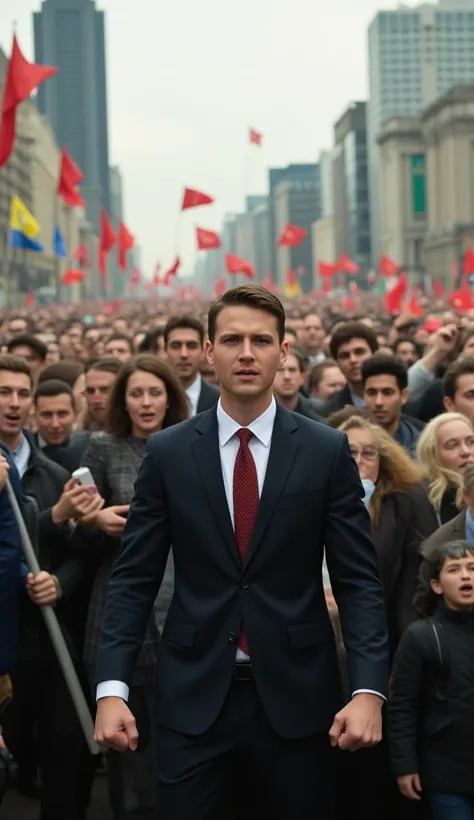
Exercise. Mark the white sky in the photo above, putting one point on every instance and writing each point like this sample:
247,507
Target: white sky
186,78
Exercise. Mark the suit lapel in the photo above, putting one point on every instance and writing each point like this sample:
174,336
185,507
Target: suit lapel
206,453
283,449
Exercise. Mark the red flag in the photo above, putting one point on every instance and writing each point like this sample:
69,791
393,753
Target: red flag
291,236
468,261
255,137
135,278
461,299
21,79
387,266
269,284
346,264
192,199
72,277
236,265
394,297
30,300
220,287
125,244
326,269
326,287
414,306
172,271
207,240
348,303
81,255
70,175
108,238
156,276
438,289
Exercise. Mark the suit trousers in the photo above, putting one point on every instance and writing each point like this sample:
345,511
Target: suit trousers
242,763
66,765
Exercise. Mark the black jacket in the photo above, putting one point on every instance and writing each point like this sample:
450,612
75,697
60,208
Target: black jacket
69,455
208,396
431,708
337,402
408,433
306,407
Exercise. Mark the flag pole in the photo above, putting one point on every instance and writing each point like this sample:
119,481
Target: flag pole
55,633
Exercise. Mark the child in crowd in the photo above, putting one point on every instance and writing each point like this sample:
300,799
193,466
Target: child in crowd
431,707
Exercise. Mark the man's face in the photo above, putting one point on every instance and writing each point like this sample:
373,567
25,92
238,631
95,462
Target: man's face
35,362
184,352
16,400
463,398
55,418
53,353
350,358
119,348
313,333
332,381
407,352
99,383
246,351
468,349
289,379
17,327
120,325
384,399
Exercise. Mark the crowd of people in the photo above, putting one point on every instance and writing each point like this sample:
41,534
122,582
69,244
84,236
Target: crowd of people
87,388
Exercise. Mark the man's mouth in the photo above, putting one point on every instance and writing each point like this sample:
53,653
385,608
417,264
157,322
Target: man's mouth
13,418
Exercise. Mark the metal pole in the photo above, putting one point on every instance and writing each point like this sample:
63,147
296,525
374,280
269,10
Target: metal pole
56,635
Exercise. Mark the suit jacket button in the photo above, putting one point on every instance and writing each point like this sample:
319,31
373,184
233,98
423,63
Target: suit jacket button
244,584
232,637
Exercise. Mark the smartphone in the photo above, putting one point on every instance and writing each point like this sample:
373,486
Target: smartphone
84,476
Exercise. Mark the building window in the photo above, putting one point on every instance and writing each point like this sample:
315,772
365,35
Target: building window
418,184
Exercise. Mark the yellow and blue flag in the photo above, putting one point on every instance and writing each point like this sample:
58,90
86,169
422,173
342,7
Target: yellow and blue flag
24,228
59,246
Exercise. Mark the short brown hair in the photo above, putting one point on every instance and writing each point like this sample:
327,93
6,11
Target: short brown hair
316,373
108,364
118,421
252,296
462,367
15,364
352,330
67,370
188,322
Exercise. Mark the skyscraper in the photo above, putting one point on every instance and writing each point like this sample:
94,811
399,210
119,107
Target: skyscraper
71,35
415,55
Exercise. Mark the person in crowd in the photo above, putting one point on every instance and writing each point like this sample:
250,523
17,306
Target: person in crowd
324,380
312,338
458,388
425,386
54,354
154,342
71,372
350,345
31,349
385,380
407,350
431,709
289,380
146,398
444,449
184,345
120,346
100,376
18,326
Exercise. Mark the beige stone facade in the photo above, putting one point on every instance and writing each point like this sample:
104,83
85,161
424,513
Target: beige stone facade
324,245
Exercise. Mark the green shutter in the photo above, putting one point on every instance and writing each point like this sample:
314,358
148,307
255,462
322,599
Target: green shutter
418,183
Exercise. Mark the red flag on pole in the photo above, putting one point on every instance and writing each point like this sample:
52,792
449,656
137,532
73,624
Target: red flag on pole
108,238
220,287
387,266
192,199
207,240
125,244
414,306
21,79
291,236
468,261
136,277
394,297
70,175
234,264
81,255
172,271
255,137
327,269
72,277
346,265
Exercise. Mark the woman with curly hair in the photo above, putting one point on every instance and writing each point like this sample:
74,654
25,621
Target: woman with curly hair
444,449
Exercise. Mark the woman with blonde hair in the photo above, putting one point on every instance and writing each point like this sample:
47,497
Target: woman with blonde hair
444,449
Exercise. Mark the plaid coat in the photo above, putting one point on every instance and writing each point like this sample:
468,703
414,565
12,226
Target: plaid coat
114,464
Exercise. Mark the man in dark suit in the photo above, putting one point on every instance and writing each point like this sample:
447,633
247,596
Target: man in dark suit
249,495
184,345
289,380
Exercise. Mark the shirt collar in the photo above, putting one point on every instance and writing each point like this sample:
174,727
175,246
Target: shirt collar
194,389
261,427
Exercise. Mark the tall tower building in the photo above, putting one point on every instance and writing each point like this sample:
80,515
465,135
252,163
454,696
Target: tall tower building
415,55
70,34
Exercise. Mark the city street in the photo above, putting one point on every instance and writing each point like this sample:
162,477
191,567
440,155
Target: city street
16,807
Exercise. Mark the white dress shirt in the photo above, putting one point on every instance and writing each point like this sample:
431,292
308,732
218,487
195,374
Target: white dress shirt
229,443
193,392
21,456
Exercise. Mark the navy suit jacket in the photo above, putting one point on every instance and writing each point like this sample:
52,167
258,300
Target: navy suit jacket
311,501
12,571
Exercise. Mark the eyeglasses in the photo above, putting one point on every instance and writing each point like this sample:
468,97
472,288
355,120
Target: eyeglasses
366,453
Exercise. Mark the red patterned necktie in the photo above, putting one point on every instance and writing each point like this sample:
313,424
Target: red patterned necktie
246,500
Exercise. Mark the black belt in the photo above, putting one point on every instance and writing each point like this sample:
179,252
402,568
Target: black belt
243,671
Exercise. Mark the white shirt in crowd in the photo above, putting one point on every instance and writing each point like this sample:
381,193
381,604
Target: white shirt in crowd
193,392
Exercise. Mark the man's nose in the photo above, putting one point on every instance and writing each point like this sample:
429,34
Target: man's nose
246,351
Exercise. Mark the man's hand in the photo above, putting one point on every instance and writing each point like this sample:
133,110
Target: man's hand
2,742
4,469
112,520
76,501
410,786
359,724
115,726
42,588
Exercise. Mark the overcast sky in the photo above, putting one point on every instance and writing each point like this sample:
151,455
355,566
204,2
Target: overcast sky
186,78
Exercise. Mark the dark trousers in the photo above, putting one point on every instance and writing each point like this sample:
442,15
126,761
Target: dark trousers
242,759
452,806
66,764
130,775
